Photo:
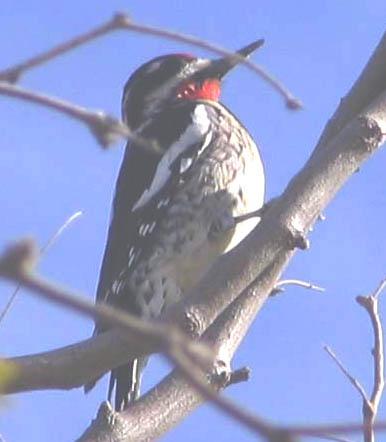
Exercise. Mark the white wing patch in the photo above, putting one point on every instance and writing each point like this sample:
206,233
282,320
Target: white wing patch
145,228
195,132
185,164
163,202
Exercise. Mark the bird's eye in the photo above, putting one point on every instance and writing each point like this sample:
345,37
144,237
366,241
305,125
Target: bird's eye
187,90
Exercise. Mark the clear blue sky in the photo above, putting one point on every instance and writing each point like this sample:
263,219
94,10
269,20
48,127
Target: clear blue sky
51,167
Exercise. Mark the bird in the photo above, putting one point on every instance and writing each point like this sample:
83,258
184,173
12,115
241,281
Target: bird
190,168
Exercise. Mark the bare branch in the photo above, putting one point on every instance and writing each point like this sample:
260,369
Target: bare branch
106,129
49,244
370,406
240,375
300,283
254,423
175,346
122,21
289,217
334,438
59,232
74,365
13,73
20,258
380,289
9,304
353,380
369,85
341,428
223,337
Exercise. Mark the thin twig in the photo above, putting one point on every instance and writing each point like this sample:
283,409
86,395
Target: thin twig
332,437
300,283
380,289
240,375
342,428
105,128
344,370
123,22
59,232
370,406
44,249
9,304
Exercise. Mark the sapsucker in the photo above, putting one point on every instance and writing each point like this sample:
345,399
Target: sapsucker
191,169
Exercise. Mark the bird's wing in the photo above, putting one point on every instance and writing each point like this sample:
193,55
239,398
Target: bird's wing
137,169
145,186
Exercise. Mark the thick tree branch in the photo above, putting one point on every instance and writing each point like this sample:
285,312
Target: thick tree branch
16,264
165,405
369,85
291,216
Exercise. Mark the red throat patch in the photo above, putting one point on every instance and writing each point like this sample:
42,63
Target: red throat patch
210,89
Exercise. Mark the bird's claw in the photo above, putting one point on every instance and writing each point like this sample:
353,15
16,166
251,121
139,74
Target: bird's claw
222,225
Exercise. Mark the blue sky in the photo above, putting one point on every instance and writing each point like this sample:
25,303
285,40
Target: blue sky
51,167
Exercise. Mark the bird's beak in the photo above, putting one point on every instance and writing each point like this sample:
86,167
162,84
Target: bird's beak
220,67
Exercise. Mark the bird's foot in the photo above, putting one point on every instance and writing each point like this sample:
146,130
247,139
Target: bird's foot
221,225
257,213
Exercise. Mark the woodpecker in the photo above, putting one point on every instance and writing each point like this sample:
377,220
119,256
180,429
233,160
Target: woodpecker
191,168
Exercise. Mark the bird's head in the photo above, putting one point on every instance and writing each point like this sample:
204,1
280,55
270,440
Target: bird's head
174,78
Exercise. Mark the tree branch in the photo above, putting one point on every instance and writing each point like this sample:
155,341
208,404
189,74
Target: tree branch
43,250
106,129
122,21
357,385
370,406
165,405
16,264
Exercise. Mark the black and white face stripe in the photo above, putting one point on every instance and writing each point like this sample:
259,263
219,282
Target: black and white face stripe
196,136
154,84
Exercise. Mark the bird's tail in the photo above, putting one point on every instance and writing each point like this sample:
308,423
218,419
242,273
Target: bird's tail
127,382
